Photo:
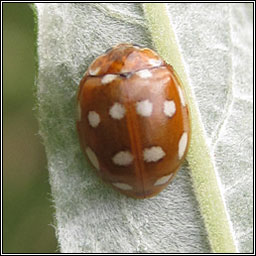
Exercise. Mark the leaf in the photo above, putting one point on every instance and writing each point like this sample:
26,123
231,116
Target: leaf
210,46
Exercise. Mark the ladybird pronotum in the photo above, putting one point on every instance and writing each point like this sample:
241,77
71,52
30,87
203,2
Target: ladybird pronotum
133,121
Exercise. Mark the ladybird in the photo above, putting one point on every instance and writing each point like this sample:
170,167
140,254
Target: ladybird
133,120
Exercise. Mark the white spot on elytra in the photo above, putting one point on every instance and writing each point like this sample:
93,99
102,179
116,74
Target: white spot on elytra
144,73
153,154
163,180
93,118
117,111
144,108
122,186
94,72
169,108
123,158
108,78
182,99
155,62
93,158
183,144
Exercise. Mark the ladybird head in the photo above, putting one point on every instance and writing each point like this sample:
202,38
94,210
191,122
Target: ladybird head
123,59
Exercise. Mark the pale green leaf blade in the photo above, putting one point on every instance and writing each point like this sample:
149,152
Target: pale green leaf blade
209,190
91,217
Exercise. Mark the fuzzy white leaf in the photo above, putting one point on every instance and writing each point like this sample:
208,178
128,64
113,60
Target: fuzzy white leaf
215,42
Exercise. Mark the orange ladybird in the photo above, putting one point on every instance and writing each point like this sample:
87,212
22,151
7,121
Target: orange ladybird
133,120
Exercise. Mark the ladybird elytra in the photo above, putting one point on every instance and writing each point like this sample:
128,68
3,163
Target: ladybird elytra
133,120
